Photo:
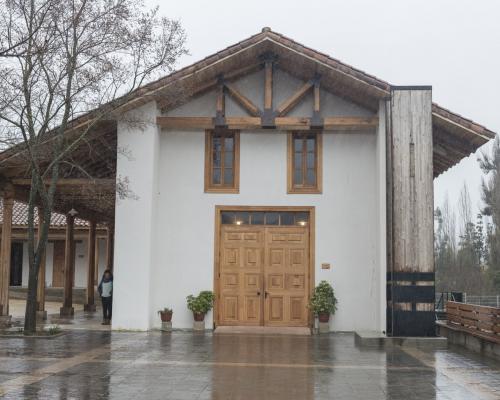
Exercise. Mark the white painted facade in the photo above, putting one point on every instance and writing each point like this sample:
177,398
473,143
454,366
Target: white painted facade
81,263
164,235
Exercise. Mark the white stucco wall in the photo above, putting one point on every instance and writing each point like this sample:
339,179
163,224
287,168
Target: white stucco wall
135,219
80,262
178,253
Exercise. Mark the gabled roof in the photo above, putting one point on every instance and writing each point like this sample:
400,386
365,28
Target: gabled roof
455,137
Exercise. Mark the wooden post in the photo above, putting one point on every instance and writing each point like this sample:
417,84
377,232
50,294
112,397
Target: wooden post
268,116
41,313
90,305
69,266
110,246
96,266
410,278
220,107
5,251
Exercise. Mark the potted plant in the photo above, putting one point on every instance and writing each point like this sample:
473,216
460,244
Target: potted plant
165,314
323,302
200,304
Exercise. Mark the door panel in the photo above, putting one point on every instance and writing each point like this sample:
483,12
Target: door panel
242,252
286,272
58,264
264,275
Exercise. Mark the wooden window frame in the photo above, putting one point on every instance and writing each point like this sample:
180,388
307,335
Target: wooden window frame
291,187
217,188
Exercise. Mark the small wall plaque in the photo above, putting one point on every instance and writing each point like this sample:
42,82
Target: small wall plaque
325,266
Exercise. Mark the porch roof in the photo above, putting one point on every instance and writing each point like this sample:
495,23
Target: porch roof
20,217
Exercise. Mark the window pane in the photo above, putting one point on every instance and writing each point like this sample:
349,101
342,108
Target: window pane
227,217
216,176
242,218
257,218
216,158
297,144
301,218
228,159
217,144
310,143
229,143
272,218
298,160
286,218
297,177
310,160
311,177
228,176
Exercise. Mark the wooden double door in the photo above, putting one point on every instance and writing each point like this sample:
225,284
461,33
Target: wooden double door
263,275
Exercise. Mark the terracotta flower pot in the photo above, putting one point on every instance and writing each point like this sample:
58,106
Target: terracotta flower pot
323,317
199,317
166,316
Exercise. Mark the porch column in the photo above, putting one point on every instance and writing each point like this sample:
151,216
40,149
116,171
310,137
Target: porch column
110,246
69,267
90,305
410,227
41,313
5,250
96,266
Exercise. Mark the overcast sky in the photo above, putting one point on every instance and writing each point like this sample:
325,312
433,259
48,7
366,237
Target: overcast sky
453,45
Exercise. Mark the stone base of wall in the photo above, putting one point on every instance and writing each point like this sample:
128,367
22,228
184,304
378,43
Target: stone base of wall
469,341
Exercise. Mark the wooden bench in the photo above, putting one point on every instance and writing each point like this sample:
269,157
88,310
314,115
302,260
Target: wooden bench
479,321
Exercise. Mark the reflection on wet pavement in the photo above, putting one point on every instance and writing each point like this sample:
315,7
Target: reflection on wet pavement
182,365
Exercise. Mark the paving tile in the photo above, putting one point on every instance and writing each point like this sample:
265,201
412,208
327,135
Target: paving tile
180,365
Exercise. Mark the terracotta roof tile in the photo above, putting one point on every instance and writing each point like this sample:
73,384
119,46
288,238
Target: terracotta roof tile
20,217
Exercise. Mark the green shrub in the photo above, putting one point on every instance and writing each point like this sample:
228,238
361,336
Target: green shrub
54,329
202,303
323,300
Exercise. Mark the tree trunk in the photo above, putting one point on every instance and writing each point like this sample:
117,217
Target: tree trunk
31,306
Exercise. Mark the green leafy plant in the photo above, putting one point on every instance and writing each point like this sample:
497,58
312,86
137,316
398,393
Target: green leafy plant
166,310
323,300
202,303
54,329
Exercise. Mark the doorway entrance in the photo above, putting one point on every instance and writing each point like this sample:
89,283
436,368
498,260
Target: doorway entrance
16,264
264,266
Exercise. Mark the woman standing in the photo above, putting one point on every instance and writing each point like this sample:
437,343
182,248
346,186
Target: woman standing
106,291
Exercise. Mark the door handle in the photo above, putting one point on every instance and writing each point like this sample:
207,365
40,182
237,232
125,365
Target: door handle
258,293
265,295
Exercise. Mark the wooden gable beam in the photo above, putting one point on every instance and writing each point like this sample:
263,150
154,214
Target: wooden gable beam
268,115
243,101
293,100
302,123
220,107
268,84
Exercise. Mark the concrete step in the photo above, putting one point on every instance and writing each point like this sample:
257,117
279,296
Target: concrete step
263,330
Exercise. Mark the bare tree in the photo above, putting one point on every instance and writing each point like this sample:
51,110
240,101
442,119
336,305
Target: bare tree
464,211
60,59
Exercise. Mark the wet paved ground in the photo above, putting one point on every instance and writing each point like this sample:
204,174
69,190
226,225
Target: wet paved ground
182,365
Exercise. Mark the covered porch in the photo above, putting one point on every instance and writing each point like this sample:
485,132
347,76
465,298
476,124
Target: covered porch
82,221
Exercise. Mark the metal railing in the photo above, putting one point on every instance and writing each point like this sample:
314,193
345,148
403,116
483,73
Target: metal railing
462,297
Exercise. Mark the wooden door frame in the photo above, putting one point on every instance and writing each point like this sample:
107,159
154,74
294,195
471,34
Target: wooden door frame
312,228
